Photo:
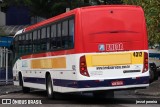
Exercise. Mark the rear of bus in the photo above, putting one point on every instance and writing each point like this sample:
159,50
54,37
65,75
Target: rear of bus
115,48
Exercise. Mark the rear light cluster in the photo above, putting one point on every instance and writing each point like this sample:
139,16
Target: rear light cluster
145,64
83,66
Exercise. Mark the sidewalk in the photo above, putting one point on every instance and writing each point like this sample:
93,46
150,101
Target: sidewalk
5,89
152,90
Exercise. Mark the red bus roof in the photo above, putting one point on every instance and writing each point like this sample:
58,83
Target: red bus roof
45,22
50,20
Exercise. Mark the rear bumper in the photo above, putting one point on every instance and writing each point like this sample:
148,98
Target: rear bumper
128,87
101,83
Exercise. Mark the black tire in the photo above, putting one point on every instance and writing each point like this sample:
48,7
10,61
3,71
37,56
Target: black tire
103,94
151,76
156,75
24,89
153,72
49,87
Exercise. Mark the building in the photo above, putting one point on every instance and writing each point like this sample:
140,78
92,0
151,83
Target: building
2,16
12,19
5,60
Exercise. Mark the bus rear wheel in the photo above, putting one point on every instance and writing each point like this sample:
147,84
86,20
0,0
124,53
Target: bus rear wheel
24,89
49,87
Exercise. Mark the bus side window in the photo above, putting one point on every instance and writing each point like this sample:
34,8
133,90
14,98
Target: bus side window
53,37
39,40
35,41
19,45
71,33
30,42
27,43
23,44
65,34
48,37
43,39
59,36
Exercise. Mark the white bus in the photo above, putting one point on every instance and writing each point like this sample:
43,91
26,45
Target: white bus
91,49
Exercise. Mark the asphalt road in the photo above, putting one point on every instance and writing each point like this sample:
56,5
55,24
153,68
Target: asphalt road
124,98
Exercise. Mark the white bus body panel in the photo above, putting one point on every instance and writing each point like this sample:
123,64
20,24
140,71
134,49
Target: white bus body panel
72,77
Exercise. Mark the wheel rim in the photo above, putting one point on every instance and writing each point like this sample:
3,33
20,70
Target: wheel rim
49,88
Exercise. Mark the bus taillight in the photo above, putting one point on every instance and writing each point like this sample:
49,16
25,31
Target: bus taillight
83,66
145,64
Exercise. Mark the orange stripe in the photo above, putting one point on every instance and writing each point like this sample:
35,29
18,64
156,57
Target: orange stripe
49,63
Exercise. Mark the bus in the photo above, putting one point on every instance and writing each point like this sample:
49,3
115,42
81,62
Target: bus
94,49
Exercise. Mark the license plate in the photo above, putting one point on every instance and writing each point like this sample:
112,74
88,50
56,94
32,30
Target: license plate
117,83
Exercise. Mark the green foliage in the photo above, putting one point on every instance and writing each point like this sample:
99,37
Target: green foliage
2,33
114,1
49,8
39,7
152,14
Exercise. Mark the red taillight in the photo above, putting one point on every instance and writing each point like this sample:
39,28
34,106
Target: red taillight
145,64
83,66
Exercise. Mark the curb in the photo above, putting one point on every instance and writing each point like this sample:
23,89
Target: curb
147,92
10,92
8,89
152,90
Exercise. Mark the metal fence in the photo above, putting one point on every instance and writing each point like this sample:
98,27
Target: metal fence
6,75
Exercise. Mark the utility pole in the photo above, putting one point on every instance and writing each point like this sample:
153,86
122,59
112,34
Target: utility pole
69,6
6,52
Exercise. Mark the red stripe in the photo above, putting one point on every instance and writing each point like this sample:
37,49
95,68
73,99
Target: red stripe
47,54
47,21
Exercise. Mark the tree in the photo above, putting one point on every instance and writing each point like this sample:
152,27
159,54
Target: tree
49,8
152,14
46,8
113,1
2,33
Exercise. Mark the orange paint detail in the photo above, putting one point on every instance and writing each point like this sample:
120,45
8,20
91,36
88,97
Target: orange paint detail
35,64
49,63
59,62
